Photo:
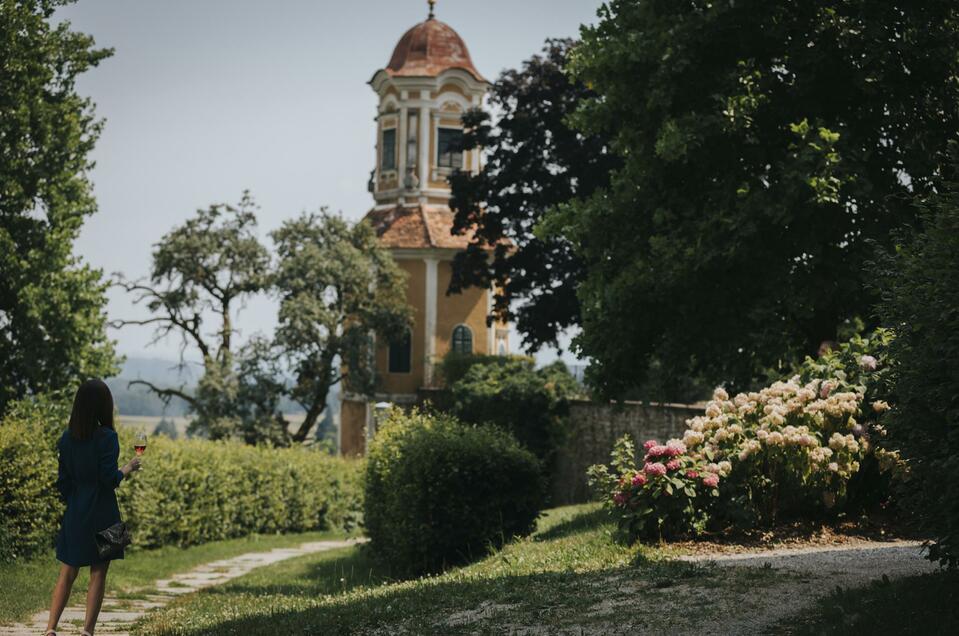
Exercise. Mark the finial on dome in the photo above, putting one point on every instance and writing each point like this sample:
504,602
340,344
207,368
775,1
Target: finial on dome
432,4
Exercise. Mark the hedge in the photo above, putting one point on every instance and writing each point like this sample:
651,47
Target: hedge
440,492
188,492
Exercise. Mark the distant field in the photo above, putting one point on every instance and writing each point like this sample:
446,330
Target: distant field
149,423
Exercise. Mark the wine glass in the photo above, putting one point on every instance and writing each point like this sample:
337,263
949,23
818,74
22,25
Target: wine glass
140,443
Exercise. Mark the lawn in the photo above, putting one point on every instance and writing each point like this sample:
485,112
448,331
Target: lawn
567,577
33,580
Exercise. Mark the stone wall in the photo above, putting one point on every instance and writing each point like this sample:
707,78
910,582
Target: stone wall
595,427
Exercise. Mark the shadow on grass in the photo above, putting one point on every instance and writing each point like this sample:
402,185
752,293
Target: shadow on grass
349,593
428,606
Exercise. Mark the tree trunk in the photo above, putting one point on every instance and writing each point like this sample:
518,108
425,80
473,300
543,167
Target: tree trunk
311,416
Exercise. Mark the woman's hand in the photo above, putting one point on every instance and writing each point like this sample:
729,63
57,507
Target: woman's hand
131,466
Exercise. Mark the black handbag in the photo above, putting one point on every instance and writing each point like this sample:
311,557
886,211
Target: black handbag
110,542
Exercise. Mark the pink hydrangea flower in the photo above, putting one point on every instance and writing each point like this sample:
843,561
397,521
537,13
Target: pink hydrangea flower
711,480
672,464
650,443
658,451
654,469
692,474
639,479
868,363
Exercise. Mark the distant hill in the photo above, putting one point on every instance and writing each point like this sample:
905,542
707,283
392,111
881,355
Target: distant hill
138,400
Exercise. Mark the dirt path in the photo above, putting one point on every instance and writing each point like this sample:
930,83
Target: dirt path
810,573
118,615
741,601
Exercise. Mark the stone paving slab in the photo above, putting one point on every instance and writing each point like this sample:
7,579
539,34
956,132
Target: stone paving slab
118,615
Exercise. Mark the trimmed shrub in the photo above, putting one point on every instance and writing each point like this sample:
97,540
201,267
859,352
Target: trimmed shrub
439,492
188,492
921,305
532,404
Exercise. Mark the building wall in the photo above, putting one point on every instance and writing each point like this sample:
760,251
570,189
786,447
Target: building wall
352,428
595,427
407,383
468,307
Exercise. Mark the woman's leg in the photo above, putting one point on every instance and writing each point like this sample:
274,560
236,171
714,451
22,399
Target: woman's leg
61,593
98,581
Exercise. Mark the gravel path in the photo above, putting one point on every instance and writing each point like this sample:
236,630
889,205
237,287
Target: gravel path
118,615
809,574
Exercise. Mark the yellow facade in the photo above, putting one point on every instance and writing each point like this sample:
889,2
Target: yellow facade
468,308
407,383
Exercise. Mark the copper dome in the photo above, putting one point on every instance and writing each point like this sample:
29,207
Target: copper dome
428,49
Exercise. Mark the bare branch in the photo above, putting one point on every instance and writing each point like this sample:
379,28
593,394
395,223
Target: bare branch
165,394
174,317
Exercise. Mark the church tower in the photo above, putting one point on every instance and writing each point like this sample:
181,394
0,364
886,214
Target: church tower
422,93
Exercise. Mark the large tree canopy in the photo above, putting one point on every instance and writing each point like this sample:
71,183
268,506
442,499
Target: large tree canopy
338,289
202,271
534,160
764,145
52,320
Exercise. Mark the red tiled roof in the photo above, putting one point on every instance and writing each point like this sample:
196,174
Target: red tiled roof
428,49
417,227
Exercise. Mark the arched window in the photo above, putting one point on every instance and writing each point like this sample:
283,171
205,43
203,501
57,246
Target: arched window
462,339
388,159
401,354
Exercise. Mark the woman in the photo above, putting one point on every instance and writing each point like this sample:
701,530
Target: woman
89,450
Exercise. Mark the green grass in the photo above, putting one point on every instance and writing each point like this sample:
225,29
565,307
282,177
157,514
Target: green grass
925,604
568,576
26,587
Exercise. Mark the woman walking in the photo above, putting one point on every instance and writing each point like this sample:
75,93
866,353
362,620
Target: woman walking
88,477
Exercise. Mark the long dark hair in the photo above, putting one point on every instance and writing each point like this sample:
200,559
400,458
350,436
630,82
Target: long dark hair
92,408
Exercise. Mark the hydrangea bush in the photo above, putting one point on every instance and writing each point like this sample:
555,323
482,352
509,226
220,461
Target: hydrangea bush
662,497
792,449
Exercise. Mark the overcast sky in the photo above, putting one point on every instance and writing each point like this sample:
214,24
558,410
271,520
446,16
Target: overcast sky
203,99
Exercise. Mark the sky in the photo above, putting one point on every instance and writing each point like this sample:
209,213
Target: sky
202,100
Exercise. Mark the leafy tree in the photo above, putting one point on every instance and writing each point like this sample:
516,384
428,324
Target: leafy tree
260,386
337,287
534,160
530,403
204,269
52,320
764,144
920,303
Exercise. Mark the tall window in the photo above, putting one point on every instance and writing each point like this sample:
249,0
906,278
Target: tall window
401,354
450,148
462,339
388,159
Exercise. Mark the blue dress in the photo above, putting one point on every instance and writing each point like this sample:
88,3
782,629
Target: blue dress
87,480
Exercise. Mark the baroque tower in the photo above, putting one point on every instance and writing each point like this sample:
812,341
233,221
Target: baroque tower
422,93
